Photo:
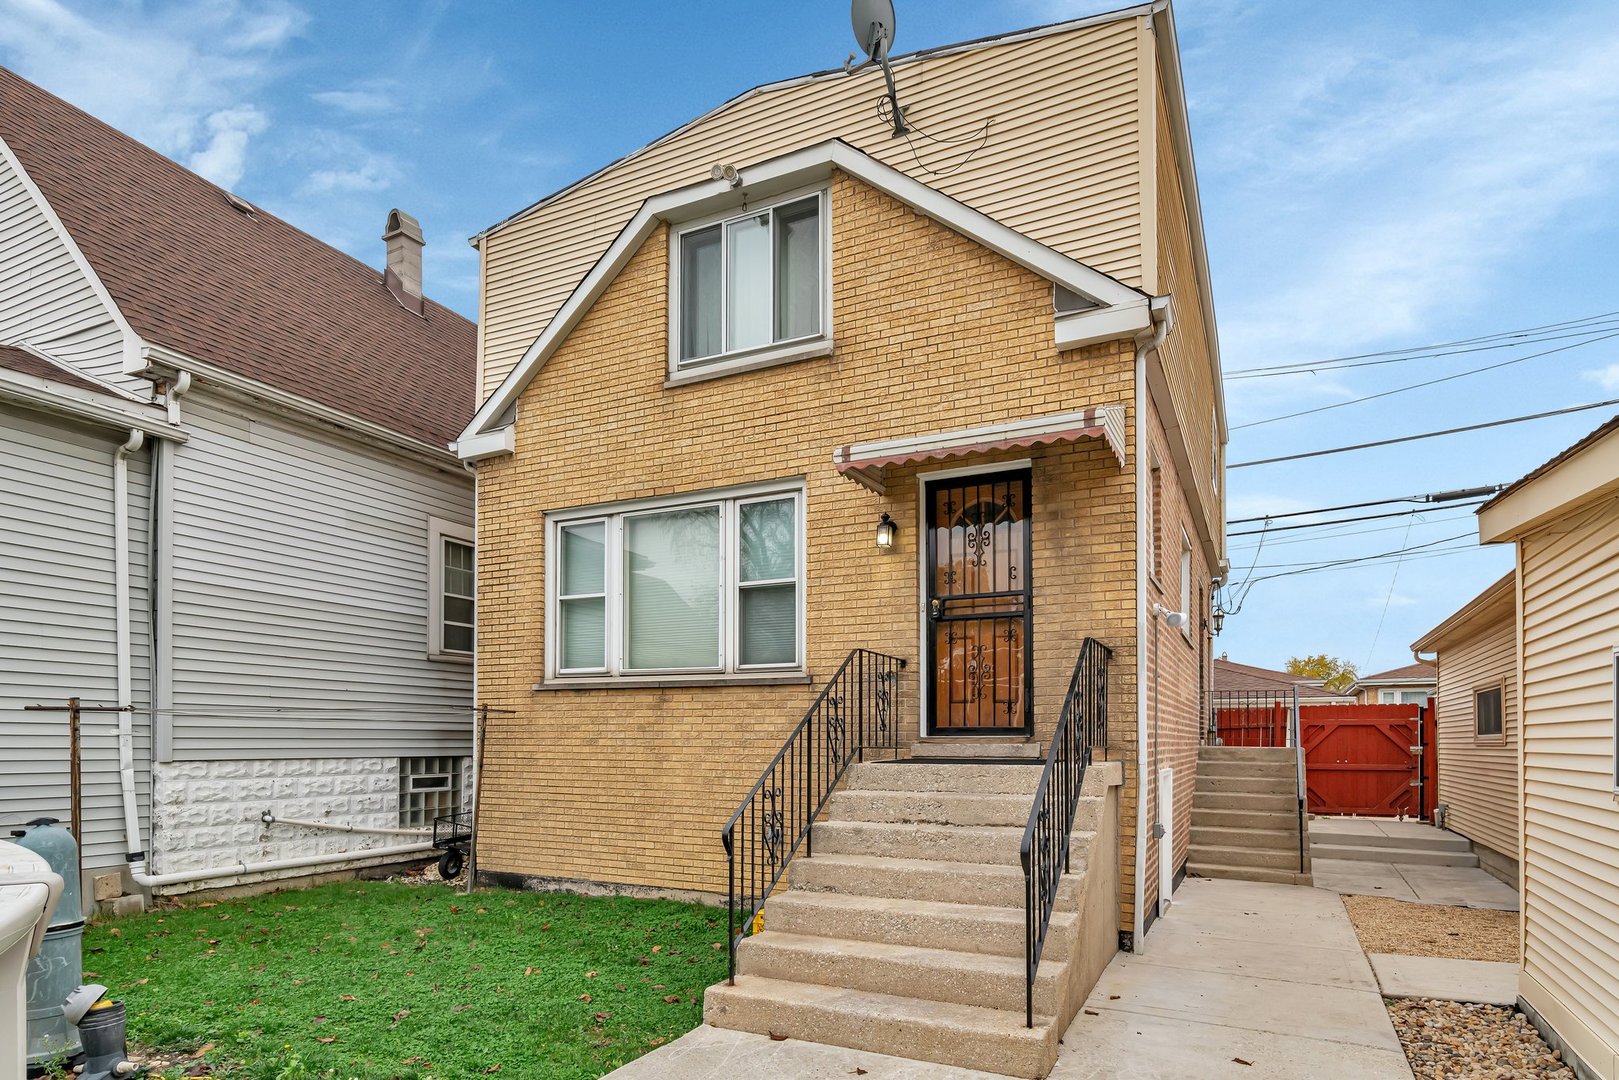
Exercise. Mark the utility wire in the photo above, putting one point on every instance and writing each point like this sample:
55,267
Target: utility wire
1330,366
1397,552
1437,519
1424,435
1531,330
1430,497
1389,599
1373,560
1420,385
1345,521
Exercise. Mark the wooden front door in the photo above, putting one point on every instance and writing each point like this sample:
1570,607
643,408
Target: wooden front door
979,610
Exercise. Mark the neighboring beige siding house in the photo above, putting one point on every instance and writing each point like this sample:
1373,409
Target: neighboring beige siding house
1477,701
1564,518
1412,684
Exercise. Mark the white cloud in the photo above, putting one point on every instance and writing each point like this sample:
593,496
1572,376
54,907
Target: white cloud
358,101
1605,377
223,159
1406,171
368,176
182,78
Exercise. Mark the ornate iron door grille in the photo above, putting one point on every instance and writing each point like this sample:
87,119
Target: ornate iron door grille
980,605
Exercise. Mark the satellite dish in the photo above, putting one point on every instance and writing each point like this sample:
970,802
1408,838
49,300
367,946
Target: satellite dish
873,22
873,26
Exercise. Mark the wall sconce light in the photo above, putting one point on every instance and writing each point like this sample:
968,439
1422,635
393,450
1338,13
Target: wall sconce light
886,531
1217,619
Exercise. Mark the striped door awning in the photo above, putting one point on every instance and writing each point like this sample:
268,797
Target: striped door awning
865,463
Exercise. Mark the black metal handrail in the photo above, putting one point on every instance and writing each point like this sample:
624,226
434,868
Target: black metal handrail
854,713
1081,728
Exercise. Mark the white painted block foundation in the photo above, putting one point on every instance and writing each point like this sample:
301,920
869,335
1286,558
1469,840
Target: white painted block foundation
209,813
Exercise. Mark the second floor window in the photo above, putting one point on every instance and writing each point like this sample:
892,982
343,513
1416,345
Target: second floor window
750,281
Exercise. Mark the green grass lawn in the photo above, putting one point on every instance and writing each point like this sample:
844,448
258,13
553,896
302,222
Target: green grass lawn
385,979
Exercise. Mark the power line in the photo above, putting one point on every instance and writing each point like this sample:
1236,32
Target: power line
1420,385
1331,366
1344,521
1397,552
1429,497
1322,568
1425,435
1440,519
1530,330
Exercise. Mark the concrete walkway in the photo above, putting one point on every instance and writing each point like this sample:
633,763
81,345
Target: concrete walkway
1240,979
1462,886
1482,982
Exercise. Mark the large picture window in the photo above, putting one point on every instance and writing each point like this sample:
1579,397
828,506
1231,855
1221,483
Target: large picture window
750,281
709,586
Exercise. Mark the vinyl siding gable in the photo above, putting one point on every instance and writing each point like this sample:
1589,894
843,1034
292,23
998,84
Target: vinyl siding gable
47,298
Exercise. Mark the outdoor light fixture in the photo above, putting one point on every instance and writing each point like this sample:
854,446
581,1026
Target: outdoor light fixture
886,531
1217,619
1177,620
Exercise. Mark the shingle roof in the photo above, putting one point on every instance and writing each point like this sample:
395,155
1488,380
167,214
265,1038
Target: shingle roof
245,292
1546,467
1410,673
1232,676
25,362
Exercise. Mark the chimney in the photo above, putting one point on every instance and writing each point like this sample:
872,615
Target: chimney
404,273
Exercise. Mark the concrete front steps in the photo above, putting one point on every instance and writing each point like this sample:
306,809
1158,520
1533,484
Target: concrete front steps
904,933
1245,819
1417,845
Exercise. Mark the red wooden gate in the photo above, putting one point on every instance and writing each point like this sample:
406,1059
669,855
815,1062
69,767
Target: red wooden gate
1252,724
1364,759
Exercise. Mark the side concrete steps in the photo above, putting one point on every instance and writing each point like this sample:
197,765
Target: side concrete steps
1412,846
904,932
1245,816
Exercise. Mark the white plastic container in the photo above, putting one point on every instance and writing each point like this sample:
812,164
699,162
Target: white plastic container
28,893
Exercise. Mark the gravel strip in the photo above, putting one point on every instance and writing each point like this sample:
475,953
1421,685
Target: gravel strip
1446,1040
1458,933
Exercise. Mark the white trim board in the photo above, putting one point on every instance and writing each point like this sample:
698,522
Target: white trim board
798,169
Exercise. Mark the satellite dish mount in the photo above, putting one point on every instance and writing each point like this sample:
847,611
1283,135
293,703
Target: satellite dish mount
874,31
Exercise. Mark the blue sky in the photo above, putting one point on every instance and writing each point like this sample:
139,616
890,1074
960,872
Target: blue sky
1374,176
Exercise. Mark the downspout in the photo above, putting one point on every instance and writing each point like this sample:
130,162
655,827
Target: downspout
125,701
477,714
1159,310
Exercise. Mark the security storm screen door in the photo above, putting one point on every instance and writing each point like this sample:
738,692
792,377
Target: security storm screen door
979,611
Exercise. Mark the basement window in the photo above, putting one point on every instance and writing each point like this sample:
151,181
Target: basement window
428,787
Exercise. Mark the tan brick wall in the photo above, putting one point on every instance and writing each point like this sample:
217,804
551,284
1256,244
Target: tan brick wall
632,785
1179,666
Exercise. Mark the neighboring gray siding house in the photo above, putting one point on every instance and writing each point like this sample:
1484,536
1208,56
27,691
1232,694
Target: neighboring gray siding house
227,503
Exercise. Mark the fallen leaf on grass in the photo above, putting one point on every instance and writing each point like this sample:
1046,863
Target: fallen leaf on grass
326,1038
398,1016
318,1020
201,1050
656,1040
584,997
657,948
591,974
718,945
531,971
672,999
347,997
599,1017
495,1068
410,1061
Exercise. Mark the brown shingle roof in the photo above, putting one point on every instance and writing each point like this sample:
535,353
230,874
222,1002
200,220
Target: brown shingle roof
1232,676
1410,673
246,292
21,360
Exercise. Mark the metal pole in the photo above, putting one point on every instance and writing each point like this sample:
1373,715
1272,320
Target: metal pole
75,802
477,794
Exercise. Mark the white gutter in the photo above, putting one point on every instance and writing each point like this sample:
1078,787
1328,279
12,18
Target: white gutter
125,700
331,826
1138,930
137,871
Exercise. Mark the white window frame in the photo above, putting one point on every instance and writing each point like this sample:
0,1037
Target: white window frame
438,531
811,345
729,501
1155,545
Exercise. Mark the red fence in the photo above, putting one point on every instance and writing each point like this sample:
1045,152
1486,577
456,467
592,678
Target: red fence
1372,760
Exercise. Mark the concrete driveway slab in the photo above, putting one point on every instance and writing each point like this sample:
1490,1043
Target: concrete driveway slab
1460,885
1479,981
1130,1047
710,1053
1240,979
1361,878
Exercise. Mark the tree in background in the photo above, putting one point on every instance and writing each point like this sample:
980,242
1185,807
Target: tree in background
1335,674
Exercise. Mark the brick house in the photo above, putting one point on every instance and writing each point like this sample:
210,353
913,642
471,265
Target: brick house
772,407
